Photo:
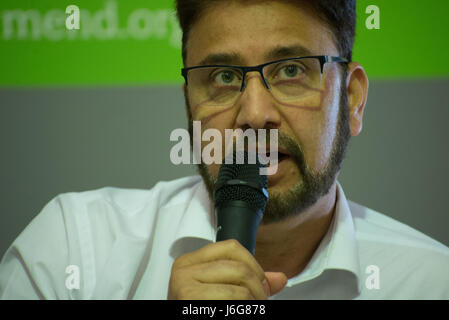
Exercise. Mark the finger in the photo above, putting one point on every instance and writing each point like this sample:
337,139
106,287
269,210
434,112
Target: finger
222,250
276,281
229,272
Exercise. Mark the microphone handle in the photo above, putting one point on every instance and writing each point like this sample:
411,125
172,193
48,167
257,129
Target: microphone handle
237,220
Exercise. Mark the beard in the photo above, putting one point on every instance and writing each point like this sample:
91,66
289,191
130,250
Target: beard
314,183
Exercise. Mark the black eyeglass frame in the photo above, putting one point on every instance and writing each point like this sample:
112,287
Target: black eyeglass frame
259,68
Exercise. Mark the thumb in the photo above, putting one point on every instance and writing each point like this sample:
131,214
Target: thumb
276,282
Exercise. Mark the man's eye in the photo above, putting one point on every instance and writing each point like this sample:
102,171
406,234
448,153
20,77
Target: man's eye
225,77
290,71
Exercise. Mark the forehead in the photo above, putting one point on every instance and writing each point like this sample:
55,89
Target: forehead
250,32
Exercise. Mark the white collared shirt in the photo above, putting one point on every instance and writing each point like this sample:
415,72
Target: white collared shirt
116,243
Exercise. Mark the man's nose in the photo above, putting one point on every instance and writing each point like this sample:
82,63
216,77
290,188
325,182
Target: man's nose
257,107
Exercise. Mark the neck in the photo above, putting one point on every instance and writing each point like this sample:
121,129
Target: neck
288,246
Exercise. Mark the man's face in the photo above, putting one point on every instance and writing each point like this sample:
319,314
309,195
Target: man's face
313,132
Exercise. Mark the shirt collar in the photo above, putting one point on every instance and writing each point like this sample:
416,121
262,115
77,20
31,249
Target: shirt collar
337,251
197,224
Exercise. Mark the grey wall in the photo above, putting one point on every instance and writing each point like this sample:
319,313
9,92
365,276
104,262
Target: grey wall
60,140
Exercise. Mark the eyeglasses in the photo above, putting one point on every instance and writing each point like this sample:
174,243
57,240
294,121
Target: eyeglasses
288,80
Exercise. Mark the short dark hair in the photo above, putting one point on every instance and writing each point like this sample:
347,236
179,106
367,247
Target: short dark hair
339,15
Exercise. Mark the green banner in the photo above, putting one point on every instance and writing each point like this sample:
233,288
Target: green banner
139,42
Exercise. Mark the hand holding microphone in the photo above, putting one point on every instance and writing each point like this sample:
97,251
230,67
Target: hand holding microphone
227,269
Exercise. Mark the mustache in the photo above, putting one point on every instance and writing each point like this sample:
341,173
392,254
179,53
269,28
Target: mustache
286,142
289,145
294,150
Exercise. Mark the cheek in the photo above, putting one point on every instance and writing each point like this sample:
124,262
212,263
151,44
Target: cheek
327,127
218,119
311,133
315,131
323,140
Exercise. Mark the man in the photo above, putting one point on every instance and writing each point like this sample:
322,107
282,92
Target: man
312,242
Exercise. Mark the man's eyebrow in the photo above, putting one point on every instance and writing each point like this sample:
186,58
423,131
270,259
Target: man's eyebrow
222,58
287,52
235,59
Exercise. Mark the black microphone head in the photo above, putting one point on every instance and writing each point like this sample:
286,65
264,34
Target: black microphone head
242,181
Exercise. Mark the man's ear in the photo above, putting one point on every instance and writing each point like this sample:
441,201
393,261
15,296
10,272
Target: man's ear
357,89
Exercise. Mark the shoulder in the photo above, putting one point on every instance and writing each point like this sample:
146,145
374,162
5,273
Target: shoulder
105,214
71,215
412,264
86,229
131,200
371,225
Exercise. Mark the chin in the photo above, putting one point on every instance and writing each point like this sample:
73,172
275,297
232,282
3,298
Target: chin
283,185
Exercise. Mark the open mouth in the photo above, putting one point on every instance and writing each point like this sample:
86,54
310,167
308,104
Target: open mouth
280,156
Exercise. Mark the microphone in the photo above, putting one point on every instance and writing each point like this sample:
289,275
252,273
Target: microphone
240,200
